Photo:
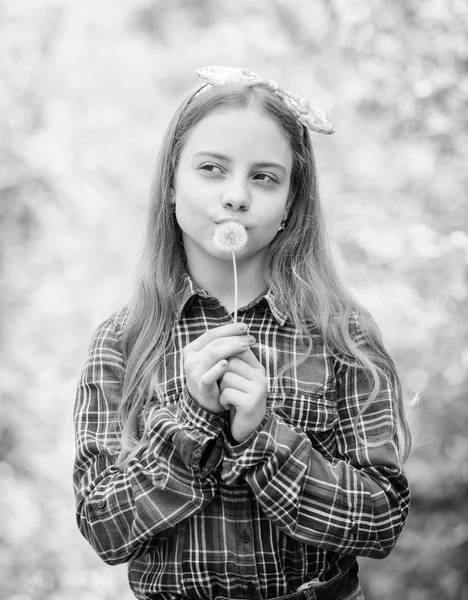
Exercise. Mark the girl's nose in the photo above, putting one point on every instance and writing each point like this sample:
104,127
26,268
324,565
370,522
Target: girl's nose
236,197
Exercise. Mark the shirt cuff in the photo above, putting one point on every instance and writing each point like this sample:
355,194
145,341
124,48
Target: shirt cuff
199,439
192,415
251,453
186,432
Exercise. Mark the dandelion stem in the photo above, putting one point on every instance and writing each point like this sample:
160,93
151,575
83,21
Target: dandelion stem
236,290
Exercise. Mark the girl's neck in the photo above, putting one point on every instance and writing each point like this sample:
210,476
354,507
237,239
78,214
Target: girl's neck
217,278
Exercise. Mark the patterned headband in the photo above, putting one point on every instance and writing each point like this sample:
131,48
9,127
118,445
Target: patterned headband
308,114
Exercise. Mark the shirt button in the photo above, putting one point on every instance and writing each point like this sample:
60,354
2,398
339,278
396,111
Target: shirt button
354,529
245,537
101,504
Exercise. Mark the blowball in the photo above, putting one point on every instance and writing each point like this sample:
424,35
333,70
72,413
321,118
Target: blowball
230,236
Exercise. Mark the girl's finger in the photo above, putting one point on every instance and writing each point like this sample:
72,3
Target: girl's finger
246,365
212,375
232,397
218,350
230,330
234,381
224,402
250,359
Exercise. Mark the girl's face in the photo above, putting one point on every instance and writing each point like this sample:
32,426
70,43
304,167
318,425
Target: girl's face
235,165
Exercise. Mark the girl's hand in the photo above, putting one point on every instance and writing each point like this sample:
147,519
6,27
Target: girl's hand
206,361
244,391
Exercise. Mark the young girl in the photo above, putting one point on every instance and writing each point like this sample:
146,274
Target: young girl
254,457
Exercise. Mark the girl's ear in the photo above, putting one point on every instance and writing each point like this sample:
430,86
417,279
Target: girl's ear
172,195
285,215
288,205
284,219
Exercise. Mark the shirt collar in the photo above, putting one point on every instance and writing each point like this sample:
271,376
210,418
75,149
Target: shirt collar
190,289
277,311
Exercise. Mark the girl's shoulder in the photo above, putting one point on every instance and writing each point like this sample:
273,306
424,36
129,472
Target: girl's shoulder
112,327
119,318
350,320
354,322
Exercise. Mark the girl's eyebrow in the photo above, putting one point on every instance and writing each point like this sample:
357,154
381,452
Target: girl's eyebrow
213,155
271,165
259,165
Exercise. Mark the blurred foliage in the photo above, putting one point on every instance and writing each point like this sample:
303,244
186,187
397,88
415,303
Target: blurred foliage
86,89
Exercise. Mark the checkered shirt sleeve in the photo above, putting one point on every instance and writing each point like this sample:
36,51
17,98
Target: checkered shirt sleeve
121,512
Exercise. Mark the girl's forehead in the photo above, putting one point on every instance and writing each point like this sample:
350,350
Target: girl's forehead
238,129
229,116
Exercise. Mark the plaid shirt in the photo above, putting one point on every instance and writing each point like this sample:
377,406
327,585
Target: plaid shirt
195,516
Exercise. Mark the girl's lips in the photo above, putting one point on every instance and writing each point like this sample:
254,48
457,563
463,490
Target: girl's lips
231,220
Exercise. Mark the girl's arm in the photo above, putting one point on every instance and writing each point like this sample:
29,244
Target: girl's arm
355,502
123,512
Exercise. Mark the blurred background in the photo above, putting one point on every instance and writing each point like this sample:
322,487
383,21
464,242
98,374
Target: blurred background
86,89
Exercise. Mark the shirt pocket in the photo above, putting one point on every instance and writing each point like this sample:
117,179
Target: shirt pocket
314,412
306,399
305,395
315,415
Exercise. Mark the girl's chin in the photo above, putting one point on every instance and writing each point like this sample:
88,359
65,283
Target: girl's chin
227,256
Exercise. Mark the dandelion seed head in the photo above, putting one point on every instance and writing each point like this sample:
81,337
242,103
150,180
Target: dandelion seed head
229,236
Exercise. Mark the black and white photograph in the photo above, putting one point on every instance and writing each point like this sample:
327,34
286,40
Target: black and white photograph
234,300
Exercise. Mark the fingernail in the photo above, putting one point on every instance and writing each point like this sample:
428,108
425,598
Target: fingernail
242,327
251,340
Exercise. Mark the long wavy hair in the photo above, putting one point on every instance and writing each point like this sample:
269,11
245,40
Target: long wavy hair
299,270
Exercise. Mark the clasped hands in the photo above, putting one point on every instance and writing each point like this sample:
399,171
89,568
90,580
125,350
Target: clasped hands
222,373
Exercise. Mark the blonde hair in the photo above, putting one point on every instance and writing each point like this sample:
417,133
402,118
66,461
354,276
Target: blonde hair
299,269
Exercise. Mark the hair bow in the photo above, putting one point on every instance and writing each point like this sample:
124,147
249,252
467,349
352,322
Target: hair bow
308,114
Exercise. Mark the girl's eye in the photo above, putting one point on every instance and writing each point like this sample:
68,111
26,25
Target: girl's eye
265,178
211,168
